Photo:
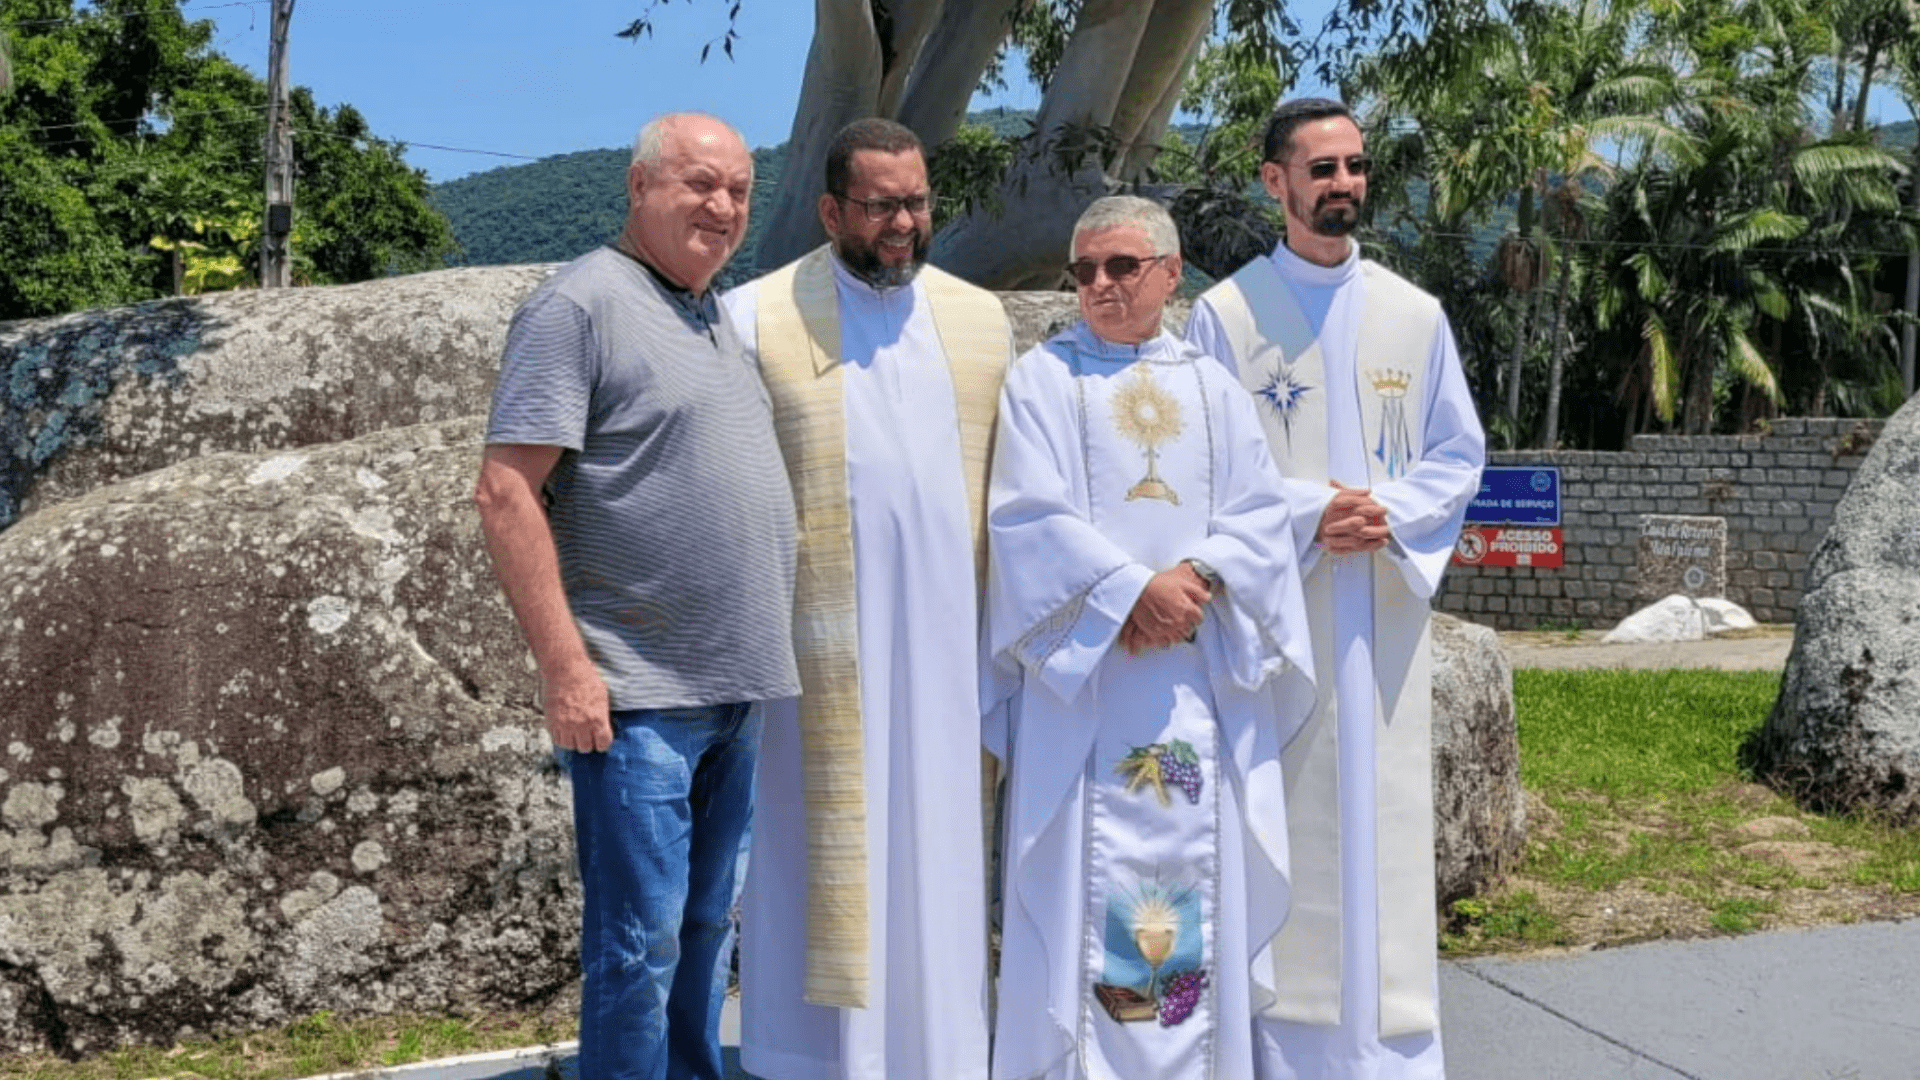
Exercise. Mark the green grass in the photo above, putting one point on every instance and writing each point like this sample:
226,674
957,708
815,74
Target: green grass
1636,734
318,1044
1516,917
1641,773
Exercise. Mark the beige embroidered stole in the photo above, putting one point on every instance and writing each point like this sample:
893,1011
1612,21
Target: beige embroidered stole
798,326
1281,365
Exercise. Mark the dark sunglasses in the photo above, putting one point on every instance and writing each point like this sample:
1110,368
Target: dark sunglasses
1118,268
1324,168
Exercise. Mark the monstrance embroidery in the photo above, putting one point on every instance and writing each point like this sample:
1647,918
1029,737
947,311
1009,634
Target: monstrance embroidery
1394,447
1148,416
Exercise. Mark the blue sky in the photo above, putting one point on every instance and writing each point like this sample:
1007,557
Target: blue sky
524,81
531,80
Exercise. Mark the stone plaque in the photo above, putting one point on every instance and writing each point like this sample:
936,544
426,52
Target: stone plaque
1680,554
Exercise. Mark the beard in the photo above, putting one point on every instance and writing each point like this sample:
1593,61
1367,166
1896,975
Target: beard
1330,218
863,258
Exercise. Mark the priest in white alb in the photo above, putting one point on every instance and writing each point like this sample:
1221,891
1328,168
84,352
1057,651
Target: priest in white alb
863,937
1144,618
1357,382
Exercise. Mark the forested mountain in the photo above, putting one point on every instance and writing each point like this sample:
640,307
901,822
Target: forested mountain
559,207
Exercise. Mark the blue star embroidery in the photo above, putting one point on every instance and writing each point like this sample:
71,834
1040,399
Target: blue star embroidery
1282,393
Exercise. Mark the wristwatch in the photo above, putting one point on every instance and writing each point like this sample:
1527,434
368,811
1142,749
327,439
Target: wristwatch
1205,573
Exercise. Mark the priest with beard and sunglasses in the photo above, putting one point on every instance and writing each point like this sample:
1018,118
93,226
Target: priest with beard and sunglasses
863,936
1144,618
1356,379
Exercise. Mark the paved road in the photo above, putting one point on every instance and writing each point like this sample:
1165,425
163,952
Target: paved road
1832,1003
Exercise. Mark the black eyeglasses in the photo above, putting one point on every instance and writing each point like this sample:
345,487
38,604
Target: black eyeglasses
885,209
1118,268
1324,168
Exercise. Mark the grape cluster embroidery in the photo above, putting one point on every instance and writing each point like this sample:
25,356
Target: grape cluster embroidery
1180,995
1159,764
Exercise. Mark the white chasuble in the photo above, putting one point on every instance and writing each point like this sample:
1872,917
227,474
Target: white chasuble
1146,841
866,853
1354,376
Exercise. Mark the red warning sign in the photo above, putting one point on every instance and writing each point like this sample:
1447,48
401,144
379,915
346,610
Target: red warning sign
1509,545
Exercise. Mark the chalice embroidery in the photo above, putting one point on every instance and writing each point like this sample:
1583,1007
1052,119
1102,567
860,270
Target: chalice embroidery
1148,416
1159,921
1394,447
1156,926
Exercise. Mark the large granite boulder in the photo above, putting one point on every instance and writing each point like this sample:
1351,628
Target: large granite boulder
92,397
269,747
1036,316
97,396
1844,733
268,728
1479,810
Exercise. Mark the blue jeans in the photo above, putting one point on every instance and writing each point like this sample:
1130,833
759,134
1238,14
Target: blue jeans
658,820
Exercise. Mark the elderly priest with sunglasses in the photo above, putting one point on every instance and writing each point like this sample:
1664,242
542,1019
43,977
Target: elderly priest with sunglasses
1144,614
1355,377
863,939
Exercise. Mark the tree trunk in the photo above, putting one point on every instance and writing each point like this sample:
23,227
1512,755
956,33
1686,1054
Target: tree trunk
900,47
1025,244
841,85
1550,433
1521,328
1866,84
1160,65
1699,401
959,50
1837,101
1913,278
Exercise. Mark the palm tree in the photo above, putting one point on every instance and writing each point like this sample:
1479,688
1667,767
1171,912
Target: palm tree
1542,86
1760,224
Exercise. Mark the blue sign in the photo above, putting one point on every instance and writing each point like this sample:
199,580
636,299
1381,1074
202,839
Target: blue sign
1517,495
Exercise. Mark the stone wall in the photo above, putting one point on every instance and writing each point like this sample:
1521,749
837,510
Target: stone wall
1777,492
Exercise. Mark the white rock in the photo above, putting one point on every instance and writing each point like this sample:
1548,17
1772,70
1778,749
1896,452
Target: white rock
1675,618
1722,615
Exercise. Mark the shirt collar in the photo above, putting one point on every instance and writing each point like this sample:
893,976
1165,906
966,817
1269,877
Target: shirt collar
1295,268
702,310
1160,347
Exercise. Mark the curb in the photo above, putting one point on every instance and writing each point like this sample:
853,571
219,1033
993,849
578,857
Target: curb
553,1061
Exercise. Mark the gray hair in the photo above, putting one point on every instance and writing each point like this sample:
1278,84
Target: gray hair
650,146
1119,211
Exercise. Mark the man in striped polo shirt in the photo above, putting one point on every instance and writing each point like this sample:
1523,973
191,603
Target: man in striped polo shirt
643,531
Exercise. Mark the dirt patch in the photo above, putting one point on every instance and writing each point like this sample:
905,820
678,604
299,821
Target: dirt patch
1681,873
1762,648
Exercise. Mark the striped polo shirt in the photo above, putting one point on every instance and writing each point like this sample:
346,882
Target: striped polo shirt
669,507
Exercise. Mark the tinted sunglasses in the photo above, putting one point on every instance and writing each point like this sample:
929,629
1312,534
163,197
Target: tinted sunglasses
1118,268
1324,168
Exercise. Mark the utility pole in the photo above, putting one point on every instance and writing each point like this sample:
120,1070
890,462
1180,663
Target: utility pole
276,252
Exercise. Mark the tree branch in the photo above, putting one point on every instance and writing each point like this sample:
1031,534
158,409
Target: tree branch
1046,190
913,20
1160,66
955,56
841,85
